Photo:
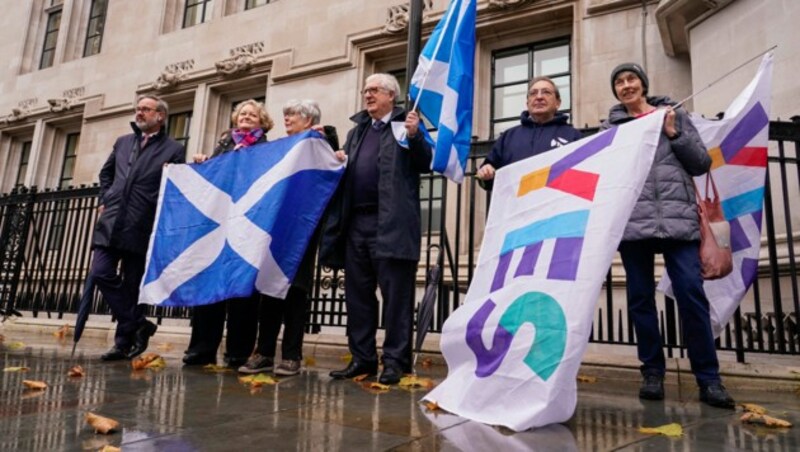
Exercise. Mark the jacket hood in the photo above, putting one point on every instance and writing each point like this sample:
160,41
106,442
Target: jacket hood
619,114
558,119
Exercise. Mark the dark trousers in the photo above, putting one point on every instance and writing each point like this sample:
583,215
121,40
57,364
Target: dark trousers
395,277
682,261
208,322
120,289
292,314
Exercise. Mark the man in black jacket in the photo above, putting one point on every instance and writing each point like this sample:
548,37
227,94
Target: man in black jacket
374,233
129,184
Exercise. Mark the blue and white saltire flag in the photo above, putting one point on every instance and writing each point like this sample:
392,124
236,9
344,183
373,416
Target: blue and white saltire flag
238,223
738,146
442,87
513,349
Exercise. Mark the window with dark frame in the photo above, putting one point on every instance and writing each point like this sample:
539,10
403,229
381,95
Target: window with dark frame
94,31
178,127
70,155
22,168
513,68
50,38
250,4
196,12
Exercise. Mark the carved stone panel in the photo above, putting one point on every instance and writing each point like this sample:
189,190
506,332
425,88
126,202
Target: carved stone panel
241,60
397,21
70,98
507,4
173,74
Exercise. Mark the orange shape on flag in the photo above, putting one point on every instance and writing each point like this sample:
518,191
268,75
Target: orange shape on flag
717,159
533,181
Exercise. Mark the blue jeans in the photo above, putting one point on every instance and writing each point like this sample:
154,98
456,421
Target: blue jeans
682,261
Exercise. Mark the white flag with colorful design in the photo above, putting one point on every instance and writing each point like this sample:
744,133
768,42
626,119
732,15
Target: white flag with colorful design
737,145
514,348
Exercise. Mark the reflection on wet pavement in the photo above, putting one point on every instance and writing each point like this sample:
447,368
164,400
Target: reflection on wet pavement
179,409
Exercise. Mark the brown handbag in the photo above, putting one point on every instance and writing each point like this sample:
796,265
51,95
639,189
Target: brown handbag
716,258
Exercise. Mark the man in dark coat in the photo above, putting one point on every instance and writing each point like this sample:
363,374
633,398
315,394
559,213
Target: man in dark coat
374,232
129,184
541,129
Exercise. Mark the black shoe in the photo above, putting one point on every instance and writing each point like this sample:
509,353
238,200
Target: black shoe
142,338
114,354
390,375
355,369
652,387
235,362
714,394
199,359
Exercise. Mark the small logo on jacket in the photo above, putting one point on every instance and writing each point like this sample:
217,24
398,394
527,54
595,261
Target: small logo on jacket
557,142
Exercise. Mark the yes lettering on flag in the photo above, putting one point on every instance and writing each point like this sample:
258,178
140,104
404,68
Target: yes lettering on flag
238,223
514,347
442,87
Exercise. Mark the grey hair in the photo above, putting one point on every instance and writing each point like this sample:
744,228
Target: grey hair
306,108
387,82
161,104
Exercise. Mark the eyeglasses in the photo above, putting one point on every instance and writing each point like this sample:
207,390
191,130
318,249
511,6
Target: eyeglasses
373,90
544,92
145,109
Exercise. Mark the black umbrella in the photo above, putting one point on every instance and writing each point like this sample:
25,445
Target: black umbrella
425,310
83,310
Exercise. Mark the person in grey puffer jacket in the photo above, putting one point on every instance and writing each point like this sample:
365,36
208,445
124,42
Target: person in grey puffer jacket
665,221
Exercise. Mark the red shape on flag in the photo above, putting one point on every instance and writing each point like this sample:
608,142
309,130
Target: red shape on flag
575,182
749,156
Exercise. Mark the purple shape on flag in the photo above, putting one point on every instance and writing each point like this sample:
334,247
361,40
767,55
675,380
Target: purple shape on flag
739,240
750,125
489,359
757,218
502,270
528,261
566,256
597,144
749,270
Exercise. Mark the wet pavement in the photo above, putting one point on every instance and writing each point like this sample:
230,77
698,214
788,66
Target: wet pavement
187,408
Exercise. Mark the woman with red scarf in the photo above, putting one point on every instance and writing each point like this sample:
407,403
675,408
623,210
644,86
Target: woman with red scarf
251,124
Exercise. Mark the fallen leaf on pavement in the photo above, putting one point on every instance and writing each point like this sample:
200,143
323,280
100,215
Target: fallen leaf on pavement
110,449
673,430
258,380
148,361
101,424
427,362
587,379
376,388
763,419
346,357
753,408
361,377
217,368
15,369
76,371
61,332
432,406
34,384
310,361
413,381
16,345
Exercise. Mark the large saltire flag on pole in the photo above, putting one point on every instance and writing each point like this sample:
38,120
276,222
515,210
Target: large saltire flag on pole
514,348
737,145
442,87
239,222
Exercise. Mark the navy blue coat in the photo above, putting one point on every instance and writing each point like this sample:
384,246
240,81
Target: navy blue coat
528,139
129,190
399,224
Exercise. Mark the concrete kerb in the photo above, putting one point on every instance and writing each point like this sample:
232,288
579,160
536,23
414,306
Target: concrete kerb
762,371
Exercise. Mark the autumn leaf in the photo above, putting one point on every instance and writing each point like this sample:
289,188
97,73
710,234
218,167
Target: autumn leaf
376,388
413,381
258,380
432,406
148,361
765,420
586,379
16,345
101,424
61,332
217,368
310,361
427,362
361,377
346,357
673,430
109,448
76,371
753,408
34,384
16,369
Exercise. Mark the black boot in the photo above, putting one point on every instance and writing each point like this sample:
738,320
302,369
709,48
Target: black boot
652,387
714,394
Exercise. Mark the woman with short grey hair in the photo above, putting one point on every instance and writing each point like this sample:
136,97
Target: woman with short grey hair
307,110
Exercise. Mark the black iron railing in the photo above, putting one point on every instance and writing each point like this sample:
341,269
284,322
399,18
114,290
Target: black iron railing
45,254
